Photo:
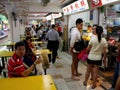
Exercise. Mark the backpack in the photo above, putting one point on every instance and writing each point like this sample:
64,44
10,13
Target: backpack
71,31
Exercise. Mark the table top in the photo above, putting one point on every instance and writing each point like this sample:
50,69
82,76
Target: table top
8,44
41,82
42,51
37,52
37,42
6,53
13,43
33,38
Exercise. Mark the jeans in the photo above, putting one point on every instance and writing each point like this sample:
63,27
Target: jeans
116,74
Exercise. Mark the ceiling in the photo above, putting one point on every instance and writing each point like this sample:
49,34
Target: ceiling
32,8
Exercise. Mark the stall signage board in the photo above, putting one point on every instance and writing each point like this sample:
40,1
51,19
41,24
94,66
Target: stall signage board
108,1
49,17
54,16
80,5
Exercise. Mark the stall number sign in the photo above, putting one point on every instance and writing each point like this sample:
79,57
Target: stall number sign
77,6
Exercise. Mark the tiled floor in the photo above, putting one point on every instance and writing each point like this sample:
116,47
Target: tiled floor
61,73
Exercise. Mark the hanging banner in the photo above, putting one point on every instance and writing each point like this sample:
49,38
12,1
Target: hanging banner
54,16
80,5
49,17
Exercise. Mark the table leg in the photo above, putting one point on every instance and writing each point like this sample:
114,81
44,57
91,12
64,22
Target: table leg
45,71
3,62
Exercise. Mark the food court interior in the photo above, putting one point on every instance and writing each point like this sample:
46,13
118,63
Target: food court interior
18,16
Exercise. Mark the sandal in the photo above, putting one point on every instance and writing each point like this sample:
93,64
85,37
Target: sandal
75,78
93,87
84,83
78,74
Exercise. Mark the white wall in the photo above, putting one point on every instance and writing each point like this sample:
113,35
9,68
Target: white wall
84,15
16,31
95,16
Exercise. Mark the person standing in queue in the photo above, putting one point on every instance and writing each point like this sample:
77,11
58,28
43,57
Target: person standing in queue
76,35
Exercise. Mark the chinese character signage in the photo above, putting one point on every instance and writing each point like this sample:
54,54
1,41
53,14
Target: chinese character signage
77,6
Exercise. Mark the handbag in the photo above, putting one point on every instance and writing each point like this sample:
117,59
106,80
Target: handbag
83,55
80,45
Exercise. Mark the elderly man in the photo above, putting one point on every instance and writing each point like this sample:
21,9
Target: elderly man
53,42
15,65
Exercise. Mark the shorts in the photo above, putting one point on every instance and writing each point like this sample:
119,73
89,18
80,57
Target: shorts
94,62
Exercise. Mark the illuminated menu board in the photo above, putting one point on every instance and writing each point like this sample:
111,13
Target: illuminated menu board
77,6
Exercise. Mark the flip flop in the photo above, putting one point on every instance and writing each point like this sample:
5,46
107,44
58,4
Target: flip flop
78,74
84,83
75,78
93,87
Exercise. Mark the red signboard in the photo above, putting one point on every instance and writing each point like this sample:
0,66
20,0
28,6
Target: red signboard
96,3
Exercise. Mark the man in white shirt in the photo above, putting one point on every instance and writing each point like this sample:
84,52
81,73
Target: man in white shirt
75,36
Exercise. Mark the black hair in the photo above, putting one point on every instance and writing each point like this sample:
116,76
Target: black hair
89,26
95,25
119,40
18,44
99,31
79,20
27,38
53,26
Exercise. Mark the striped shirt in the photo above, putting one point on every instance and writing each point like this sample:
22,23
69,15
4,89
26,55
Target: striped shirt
15,66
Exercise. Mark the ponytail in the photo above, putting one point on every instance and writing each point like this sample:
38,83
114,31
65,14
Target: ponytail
99,31
99,37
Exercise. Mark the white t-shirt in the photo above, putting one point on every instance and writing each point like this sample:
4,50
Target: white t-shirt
75,36
97,48
32,32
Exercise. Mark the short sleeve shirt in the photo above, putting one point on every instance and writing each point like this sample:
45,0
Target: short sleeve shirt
15,66
75,36
97,48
